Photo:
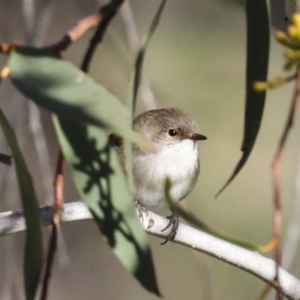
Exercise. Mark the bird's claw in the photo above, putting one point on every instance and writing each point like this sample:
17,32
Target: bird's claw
174,222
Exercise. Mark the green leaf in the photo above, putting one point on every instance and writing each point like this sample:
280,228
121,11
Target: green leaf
34,248
5,159
258,44
60,87
136,76
102,184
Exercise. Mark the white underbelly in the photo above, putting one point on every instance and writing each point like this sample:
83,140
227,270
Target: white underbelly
179,163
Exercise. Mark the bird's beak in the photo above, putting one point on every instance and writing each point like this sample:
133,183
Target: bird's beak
198,137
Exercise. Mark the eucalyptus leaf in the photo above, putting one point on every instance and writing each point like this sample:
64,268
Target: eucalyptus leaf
58,86
34,247
258,44
136,76
99,178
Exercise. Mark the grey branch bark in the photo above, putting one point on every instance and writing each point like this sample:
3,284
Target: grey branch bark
252,262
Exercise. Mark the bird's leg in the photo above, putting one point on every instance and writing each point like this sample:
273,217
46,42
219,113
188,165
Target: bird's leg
174,222
141,209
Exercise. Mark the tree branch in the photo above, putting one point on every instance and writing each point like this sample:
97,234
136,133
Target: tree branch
252,262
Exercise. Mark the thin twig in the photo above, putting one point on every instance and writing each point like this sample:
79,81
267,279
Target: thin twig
76,32
293,228
58,204
108,12
276,170
50,259
58,188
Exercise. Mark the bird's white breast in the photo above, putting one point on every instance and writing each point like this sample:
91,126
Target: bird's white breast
179,162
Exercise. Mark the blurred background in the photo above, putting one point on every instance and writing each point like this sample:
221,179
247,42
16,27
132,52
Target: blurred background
195,61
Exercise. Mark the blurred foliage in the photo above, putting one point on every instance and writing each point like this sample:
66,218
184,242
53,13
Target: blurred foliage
196,62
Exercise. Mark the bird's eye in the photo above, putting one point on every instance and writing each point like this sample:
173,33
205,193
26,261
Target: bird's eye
172,132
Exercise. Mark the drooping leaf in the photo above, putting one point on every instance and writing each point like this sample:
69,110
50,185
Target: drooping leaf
97,173
134,85
34,247
59,86
136,76
258,43
5,159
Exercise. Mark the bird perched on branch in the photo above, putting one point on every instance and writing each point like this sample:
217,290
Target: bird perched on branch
174,135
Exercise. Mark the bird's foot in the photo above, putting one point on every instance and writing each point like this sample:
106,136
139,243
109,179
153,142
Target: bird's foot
174,222
141,210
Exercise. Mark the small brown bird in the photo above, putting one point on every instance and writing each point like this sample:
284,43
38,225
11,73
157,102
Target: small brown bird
174,135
